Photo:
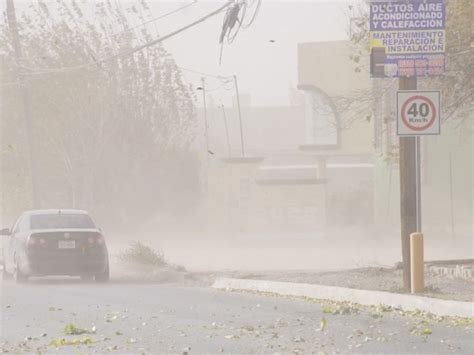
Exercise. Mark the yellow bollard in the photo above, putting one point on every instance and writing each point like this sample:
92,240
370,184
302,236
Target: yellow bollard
417,263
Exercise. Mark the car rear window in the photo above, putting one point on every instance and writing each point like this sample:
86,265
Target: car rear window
53,221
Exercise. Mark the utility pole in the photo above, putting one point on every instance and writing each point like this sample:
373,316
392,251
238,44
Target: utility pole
206,127
410,189
26,98
240,115
226,132
451,197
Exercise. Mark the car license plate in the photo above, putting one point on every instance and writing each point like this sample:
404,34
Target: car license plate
66,244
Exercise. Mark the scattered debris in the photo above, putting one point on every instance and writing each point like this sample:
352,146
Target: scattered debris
323,324
61,341
110,318
71,329
328,309
416,330
298,340
426,331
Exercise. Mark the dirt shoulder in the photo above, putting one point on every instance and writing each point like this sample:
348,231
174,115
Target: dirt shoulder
371,278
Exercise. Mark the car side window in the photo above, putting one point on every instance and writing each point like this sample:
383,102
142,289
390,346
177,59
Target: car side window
16,228
25,224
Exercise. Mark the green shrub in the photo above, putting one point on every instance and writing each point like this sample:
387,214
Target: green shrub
140,254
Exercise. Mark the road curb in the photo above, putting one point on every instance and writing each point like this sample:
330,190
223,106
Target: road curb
341,294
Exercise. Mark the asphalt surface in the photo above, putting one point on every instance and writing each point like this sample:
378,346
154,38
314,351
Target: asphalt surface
150,318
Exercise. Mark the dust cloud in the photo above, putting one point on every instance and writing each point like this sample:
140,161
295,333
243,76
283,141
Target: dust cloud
206,162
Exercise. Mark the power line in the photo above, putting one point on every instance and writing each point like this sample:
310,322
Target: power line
219,88
138,48
220,77
234,19
174,33
156,18
255,12
225,79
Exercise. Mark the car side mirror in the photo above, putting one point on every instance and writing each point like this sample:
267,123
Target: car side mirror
5,232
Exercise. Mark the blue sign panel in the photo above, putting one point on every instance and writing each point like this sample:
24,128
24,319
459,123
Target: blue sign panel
407,37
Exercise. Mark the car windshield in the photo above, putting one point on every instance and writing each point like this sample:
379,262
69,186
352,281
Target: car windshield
53,221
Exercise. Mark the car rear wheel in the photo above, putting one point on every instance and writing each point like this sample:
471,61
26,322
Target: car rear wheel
18,274
5,274
103,276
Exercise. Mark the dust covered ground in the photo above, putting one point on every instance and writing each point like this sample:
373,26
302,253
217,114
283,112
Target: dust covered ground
371,278
138,318
155,305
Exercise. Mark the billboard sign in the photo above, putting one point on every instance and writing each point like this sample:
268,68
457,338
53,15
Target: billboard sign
418,113
407,38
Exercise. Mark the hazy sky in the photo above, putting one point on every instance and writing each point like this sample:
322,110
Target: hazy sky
265,70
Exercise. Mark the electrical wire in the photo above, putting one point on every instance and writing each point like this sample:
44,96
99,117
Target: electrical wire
132,50
220,87
161,39
225,79
155,19
255,13
234,19
220,77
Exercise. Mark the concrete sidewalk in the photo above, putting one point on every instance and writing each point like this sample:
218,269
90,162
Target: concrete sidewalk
341,294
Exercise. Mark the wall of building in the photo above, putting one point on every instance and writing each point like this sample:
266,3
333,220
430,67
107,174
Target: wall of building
242,204
266,130
328,74
327,66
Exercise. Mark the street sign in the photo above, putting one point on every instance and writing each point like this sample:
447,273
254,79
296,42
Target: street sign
418,113
407,38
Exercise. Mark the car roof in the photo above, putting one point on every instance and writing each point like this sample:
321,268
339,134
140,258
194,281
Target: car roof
54,211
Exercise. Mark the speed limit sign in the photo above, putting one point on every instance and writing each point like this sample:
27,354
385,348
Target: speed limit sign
418,113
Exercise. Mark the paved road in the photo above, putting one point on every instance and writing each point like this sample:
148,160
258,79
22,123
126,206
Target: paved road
146,318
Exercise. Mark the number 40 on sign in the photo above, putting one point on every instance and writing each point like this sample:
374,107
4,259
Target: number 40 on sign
418,113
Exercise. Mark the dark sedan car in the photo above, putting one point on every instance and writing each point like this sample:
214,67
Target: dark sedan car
55,242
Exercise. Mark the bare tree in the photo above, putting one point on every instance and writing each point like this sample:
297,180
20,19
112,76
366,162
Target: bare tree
457,84
104,130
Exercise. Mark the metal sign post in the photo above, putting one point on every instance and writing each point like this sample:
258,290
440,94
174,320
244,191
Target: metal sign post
418,114
418,184
407,40
408,190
